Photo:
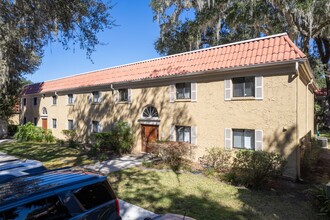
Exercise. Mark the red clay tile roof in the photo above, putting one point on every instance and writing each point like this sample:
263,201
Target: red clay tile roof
276,48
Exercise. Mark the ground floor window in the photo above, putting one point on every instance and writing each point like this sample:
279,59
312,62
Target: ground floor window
35,121
96,127
243,139
54,123
24,121
70,125
183,133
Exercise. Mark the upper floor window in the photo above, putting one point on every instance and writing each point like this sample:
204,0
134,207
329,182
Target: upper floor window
35,101
70,125
54,97
243,86
96,127
123,95
183,90
183,133
24,101
70,99
243,139
96,97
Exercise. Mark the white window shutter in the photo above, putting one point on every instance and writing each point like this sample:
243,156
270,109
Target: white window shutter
259,87
100,128
74,125
91,126
228,144
193,135
227,89
100,96
172,133
258,139
172,93
89,99
193,91
116,96
74,99
129,91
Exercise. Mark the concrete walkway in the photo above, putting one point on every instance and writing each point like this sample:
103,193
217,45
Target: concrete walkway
132,212
120,163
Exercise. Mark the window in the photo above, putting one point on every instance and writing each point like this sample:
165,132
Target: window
24,102
49,208
123,95
150,112
183,90
243,139
54,123
54,100
70,125
96,127
93,195
70,99
183,133
24,121
35,121
35,101
96,97
243,87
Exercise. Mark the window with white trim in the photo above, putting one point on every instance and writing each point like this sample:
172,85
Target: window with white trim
70,99
123,95
183,90
243,86
96,127
183,133
70,125
96,97
244,139
54,123
54,102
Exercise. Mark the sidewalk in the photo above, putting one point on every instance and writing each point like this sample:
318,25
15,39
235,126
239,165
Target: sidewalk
120,163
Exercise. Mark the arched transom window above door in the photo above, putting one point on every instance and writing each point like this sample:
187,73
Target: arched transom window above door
150,112
44,111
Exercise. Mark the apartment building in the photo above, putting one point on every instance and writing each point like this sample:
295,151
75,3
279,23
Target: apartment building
256,94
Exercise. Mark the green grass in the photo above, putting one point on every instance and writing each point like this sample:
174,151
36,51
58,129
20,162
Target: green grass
51,155
206,198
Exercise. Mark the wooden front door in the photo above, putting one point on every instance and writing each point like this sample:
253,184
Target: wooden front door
149,135
44,123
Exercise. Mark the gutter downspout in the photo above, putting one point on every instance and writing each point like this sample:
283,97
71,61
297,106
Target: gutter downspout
297,125
307,104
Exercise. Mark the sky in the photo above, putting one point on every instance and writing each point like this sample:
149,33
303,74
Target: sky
131,41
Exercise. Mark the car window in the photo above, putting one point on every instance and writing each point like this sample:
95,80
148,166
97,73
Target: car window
93,195
49,208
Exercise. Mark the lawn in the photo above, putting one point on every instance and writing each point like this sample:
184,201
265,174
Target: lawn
51,155
202,197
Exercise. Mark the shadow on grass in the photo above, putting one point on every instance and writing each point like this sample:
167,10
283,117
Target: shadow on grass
52,155
204,198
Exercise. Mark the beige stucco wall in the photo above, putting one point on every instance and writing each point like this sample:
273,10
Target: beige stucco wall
211,114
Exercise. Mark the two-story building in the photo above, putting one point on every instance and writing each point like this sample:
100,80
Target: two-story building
255,94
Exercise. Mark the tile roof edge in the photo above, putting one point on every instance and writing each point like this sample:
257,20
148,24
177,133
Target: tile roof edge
174,76
297,50
169,56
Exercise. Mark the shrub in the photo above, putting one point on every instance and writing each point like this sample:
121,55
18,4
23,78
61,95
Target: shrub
71,137
172,153
30,132
119,139
255,168
217,158
12,129
320,193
